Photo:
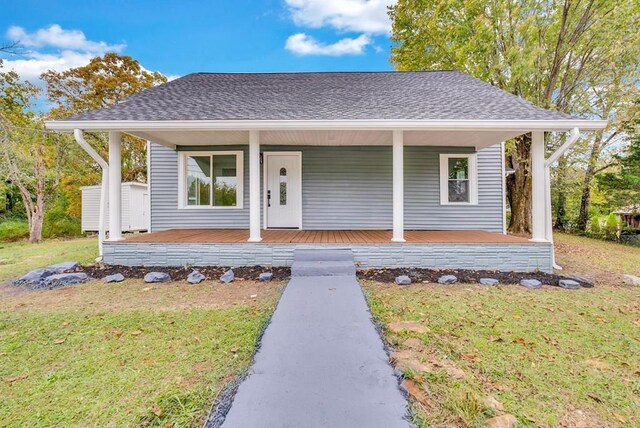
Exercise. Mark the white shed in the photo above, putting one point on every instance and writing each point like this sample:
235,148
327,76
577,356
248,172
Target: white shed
135,207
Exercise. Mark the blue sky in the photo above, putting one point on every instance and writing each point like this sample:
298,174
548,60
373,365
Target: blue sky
177,38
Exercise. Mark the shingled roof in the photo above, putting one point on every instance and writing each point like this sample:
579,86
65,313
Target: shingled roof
429,95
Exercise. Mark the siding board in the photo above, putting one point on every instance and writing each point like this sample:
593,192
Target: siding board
345,187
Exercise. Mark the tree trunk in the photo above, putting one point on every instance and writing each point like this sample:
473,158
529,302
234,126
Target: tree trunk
585,202
560,185
35,225
519,186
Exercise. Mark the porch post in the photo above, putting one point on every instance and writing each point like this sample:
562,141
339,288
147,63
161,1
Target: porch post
115,177
398,186
254,186
538,188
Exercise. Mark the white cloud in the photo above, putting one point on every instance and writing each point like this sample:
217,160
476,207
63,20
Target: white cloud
55,36
303,44
362,16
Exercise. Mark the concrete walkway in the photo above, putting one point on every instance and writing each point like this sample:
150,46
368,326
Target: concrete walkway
322,362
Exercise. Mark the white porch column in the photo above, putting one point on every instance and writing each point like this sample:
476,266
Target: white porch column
254,186
538,190
398,186
115,177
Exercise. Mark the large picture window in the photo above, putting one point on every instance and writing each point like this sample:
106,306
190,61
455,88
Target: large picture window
211,179
458,179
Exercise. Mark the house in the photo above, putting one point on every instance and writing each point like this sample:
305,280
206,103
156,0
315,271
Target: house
404,168
630,216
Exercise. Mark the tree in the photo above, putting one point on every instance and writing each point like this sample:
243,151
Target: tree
623,186
103,82
551,53
26,148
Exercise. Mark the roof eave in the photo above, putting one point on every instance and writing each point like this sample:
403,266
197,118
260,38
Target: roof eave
239,125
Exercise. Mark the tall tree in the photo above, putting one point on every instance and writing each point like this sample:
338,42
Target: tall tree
25,149
548,52
622,186
103,82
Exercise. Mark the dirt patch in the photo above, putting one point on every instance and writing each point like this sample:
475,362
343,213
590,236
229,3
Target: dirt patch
132,294
418,275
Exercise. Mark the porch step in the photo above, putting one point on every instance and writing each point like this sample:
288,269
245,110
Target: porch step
323,263
345,255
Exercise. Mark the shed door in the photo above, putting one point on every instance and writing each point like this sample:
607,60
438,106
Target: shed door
284,190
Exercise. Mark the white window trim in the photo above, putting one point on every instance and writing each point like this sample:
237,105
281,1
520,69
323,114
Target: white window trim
182,182
444,178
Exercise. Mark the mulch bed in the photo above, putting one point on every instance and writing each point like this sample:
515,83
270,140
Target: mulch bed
465,276
99,271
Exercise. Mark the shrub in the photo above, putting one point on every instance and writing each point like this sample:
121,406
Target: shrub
57,222
13,230
594,230
611,227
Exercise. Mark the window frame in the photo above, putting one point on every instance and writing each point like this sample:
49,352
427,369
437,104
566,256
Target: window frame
182,179
444,178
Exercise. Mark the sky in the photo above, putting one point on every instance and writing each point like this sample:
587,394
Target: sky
180,37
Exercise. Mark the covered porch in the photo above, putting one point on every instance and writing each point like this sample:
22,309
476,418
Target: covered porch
441,249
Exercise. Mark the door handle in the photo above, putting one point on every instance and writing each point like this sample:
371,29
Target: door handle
268,198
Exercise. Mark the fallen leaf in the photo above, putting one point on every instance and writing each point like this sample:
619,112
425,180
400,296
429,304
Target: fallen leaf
167,425
136,332
253,296
60,341
234,349
16,378
495,339
117,333
595,398
619,417
66,323
156,410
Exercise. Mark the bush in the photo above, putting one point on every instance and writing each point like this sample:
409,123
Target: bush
57,223
594,230
611,227
13,230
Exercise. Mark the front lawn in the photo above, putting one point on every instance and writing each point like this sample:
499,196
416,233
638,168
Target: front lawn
18,258
131,354
550,357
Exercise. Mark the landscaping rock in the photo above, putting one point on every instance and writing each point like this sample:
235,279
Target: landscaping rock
116,277
631,279
157,277
585,282
502,421
569,284
403,280
266,276
447,279
195,277
531,283
414,326
227,277
489,281
34,277
63,267
63,279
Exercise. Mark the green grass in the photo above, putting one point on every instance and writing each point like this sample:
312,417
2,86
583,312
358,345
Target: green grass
124,355
541,353
604,260
17,258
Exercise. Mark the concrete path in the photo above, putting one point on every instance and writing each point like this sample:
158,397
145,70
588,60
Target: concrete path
322,362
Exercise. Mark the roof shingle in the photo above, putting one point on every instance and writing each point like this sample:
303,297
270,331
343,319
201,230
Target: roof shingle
429,95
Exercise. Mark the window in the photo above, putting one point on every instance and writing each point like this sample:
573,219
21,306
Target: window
211,179
458,179
283,186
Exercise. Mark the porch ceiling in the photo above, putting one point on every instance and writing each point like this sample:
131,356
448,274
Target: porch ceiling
463,138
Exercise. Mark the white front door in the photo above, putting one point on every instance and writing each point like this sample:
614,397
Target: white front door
284,189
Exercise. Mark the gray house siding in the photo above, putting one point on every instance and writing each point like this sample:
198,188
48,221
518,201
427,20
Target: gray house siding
344,188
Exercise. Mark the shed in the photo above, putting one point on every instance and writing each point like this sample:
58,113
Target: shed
135,207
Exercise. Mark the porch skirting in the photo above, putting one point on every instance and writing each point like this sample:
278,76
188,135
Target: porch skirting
522,257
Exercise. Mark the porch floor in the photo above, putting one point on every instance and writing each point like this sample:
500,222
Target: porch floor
271,236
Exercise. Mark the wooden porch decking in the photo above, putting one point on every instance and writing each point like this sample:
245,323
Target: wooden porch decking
238,236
